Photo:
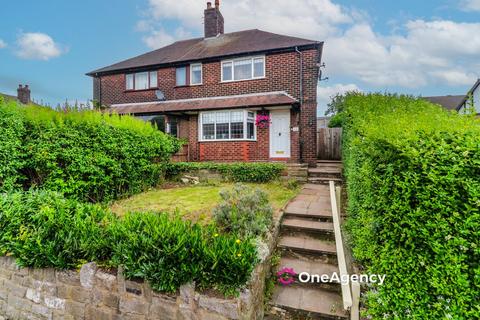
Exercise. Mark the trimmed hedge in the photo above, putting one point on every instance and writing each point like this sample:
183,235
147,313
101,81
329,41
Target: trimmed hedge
86,155
44,229
413,180
237,171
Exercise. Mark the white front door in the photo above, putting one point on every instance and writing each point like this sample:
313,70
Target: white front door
280,134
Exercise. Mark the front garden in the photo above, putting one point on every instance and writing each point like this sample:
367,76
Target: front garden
83,186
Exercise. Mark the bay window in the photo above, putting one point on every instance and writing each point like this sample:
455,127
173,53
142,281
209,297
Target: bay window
227,125
141,80
243,69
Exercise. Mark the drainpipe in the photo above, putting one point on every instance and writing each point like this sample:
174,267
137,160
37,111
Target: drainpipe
300,55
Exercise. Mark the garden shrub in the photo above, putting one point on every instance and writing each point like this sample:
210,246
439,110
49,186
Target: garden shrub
237,172
413,180
43,229
87,155
169,252
244,211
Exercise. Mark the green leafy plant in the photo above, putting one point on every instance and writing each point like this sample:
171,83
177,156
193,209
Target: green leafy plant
413,180
87,155
237,172
244,211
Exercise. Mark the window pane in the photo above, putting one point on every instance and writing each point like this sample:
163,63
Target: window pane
208,131
250,130
251,115
236,116
181,76
222,131
141,81
129,80
196,74
153,79
208,117
243,69
227,71
258,67
237,130
172,128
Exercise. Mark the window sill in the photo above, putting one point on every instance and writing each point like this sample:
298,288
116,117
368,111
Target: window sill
229,140
230,81
140,90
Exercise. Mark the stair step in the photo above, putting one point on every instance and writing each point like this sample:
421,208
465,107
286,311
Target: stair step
323,215
330,161
322,180
315,302
311,266
324,170
308,225
304,243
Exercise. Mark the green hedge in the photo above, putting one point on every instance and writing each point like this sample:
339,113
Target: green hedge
44,229
237,172
413,179
83,154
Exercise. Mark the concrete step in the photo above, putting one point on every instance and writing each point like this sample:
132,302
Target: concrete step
309,303
322,180
307,214
306,244
325,173
308,226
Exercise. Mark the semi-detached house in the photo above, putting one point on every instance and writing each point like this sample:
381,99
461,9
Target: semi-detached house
241,96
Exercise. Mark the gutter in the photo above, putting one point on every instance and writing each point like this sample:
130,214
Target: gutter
300,54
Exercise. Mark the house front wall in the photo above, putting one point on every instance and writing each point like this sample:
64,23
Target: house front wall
282,73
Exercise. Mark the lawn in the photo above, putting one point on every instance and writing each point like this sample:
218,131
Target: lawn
195,202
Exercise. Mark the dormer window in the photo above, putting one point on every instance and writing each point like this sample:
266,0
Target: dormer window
141,80
243,69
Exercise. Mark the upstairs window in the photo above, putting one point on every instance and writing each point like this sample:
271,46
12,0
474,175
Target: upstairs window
196,74
181,76
243,69
141,80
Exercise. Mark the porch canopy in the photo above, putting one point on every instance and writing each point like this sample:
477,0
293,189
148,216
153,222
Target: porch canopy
279,98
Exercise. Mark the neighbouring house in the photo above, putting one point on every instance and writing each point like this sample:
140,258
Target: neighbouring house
460,103
23,95
241,96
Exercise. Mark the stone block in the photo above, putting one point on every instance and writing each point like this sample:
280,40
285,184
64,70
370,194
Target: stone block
95,313
105,280
133,287
42,312
105,298
87,275
78,294
33,295
69,277
133,305
164,308
54,302
208,315
75,309
15,289
227,308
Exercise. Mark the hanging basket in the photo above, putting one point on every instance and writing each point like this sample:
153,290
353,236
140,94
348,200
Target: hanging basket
263,121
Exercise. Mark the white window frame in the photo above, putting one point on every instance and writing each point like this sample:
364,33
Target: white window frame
245,121
191,74
232,61
149,86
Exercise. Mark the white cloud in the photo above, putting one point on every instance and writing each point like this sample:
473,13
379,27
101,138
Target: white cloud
3,44
37,46
326,93
160,38
412,55
470,5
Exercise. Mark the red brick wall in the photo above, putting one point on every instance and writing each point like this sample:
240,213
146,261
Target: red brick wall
282,74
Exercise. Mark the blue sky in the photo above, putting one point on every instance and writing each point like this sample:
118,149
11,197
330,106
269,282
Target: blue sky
416,47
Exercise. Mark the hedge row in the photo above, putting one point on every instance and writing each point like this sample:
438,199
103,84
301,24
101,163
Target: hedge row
44,229
86,155
237,172
413,179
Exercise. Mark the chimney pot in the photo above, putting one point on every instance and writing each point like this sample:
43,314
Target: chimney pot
209,5
20,86
217,4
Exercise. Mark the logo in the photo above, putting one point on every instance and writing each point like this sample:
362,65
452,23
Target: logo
286,276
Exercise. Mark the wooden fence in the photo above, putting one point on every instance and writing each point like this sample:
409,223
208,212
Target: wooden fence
329,143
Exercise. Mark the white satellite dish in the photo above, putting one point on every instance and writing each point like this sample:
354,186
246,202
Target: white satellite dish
160,95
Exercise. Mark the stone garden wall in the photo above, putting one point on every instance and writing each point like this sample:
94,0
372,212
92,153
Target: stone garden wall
91,293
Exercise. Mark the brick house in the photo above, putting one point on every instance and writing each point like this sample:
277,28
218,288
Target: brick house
242,96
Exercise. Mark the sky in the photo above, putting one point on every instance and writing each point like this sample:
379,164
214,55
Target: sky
415,47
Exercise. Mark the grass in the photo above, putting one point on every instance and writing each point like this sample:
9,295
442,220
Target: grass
195,202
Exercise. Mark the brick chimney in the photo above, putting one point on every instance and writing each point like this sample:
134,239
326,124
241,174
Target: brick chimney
213,20
23,94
